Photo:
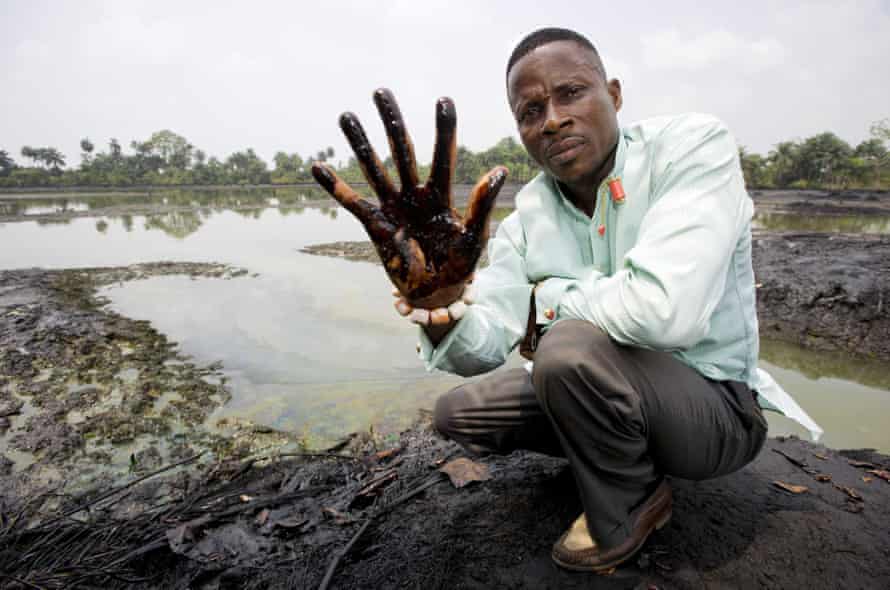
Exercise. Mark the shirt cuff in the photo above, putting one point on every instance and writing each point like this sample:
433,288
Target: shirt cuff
548,294
436,357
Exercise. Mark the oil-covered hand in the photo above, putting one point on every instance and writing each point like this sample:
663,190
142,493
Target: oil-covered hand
429,250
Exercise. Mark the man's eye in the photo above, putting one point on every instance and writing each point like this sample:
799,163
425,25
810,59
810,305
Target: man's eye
529,113
574,91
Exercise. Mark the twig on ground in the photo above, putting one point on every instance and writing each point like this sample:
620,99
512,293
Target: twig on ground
20,581
319,454
108,494
792,460
329,574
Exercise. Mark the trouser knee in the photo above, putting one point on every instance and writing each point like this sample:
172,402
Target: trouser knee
447,406
580,370
567,353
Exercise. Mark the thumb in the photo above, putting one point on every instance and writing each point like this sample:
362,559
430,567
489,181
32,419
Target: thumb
482,199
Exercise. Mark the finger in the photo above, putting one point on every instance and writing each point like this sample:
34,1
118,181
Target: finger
457,310
482,200
421,317
367,158
469,295
439,317
376,223
403,307
399,140
445,151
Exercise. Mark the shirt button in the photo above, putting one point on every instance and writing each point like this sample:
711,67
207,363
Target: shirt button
549,314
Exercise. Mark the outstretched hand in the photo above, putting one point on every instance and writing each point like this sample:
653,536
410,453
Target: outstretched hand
429,250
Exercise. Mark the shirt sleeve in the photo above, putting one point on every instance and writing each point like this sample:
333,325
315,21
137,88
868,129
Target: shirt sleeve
671,280
495,323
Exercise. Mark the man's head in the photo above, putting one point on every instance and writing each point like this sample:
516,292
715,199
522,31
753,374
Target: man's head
565,108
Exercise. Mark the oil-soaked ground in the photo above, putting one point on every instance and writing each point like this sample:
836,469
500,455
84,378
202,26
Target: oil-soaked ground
84,388
375,515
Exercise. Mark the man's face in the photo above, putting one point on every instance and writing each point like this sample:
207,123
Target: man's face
565,110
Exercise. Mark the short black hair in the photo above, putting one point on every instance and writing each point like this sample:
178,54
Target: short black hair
544,36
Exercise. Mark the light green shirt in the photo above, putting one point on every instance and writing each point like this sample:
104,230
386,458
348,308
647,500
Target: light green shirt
671,271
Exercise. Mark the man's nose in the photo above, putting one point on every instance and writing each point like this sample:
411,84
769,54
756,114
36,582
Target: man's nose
555,120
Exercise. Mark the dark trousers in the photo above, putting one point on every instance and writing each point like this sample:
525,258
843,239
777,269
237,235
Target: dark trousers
623,416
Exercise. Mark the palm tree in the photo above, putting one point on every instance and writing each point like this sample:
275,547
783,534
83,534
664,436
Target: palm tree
784,161
32,154
54,158
6,163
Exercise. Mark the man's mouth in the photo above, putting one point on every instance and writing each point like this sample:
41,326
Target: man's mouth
564,150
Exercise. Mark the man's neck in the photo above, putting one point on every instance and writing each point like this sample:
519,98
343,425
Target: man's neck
583,194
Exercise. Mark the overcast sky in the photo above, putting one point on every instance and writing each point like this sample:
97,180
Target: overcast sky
276,75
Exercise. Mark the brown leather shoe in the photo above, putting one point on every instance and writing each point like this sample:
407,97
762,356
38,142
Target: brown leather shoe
576,550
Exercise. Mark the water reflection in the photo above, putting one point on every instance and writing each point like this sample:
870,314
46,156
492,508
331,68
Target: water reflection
866,224
849,398
178,224
816,365
215,199
181,224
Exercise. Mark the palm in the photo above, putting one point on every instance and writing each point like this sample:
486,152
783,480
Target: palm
429,250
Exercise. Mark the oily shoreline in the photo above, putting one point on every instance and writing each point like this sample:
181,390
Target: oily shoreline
88,396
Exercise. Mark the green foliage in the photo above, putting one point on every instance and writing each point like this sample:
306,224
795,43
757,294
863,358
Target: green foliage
821,161
167,158
7,164
246,168
880,130
507,152
49,157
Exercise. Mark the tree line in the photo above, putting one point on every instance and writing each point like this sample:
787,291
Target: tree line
822,161
166,158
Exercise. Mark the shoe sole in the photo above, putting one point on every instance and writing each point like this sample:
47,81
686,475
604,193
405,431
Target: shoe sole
606,567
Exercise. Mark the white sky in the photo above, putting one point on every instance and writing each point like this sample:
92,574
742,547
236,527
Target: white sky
276,75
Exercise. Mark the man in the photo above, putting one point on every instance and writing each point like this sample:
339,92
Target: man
630,258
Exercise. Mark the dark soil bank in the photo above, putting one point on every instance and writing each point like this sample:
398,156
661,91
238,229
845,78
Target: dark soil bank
821,202
391,519
80,383
828,292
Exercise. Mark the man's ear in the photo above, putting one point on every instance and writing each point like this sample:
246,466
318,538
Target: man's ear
614,89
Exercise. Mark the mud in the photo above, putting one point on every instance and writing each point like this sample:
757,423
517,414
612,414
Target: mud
823,202
88,396
826,292
280,522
